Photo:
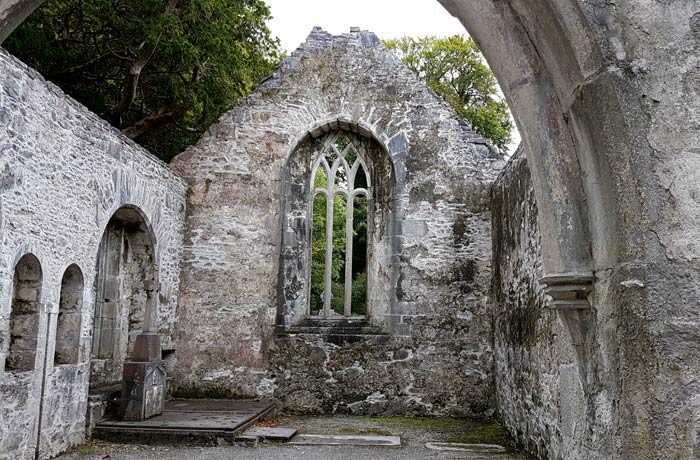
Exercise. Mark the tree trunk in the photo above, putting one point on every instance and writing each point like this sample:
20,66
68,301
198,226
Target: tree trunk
131,82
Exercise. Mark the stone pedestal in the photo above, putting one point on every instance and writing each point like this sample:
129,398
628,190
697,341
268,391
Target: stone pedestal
143,387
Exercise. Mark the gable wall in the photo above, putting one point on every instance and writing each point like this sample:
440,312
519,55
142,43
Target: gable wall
437,357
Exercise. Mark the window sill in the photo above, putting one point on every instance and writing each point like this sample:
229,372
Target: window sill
336,330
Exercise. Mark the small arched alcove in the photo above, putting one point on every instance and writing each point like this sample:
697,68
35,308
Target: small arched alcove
125,292
25,315
337,228
70,308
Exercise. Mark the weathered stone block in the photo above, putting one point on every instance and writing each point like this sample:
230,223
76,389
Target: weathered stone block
143,393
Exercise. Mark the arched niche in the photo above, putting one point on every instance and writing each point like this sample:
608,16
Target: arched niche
25,315
126,292
70,313
311,176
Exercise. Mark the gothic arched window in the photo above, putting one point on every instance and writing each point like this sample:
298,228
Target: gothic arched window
340,204
337,226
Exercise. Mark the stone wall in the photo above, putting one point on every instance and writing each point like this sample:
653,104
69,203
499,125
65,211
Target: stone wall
429,350
63,173
602,94
537,383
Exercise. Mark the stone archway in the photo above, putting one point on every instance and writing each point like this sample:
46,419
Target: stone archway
126,293
68,321
601,93
25,316
13,13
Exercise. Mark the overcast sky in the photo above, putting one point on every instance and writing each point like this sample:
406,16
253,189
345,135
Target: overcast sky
293,20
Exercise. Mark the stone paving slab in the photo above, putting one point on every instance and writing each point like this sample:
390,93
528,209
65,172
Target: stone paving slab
346,440
414,433
462,447
276,434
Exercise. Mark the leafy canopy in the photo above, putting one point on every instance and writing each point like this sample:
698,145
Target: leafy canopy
162,71
455,69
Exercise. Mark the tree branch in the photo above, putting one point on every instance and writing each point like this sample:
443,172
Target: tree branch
185,128
131,82
77,68
153,122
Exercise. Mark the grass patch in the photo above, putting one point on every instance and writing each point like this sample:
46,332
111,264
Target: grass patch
365,431
468,431
488,431
85,449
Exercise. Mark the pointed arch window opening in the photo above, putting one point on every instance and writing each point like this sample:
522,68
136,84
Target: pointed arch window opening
340,173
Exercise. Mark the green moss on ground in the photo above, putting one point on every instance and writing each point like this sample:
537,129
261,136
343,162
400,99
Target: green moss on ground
468,431
85,449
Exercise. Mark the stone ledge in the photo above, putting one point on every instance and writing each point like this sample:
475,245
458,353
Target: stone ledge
335,331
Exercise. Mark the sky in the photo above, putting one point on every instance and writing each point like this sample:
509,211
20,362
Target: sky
292,21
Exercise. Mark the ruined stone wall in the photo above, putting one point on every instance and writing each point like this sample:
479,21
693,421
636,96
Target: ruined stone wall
432,353
606,97
63,173
537,383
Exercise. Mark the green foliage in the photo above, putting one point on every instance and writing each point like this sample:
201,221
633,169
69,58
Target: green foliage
160,70
318,253
455,69
318,249
359,294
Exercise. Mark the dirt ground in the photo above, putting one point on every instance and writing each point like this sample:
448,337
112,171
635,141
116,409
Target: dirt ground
414,433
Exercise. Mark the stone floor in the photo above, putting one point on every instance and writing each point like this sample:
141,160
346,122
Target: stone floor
414,433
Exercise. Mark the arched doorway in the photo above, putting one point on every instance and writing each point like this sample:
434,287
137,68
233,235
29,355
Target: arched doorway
609,122
126,293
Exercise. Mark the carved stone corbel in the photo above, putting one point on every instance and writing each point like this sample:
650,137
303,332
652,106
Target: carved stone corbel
569,291
569,294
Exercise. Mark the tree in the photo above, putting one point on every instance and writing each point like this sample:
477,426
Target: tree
162,71
455,69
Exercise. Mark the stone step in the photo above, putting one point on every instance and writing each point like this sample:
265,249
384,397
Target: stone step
103,403
368,330
270,433
338,339
346,440
463,447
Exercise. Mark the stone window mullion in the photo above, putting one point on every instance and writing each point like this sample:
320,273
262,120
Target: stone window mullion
348,253
341,163
330,201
